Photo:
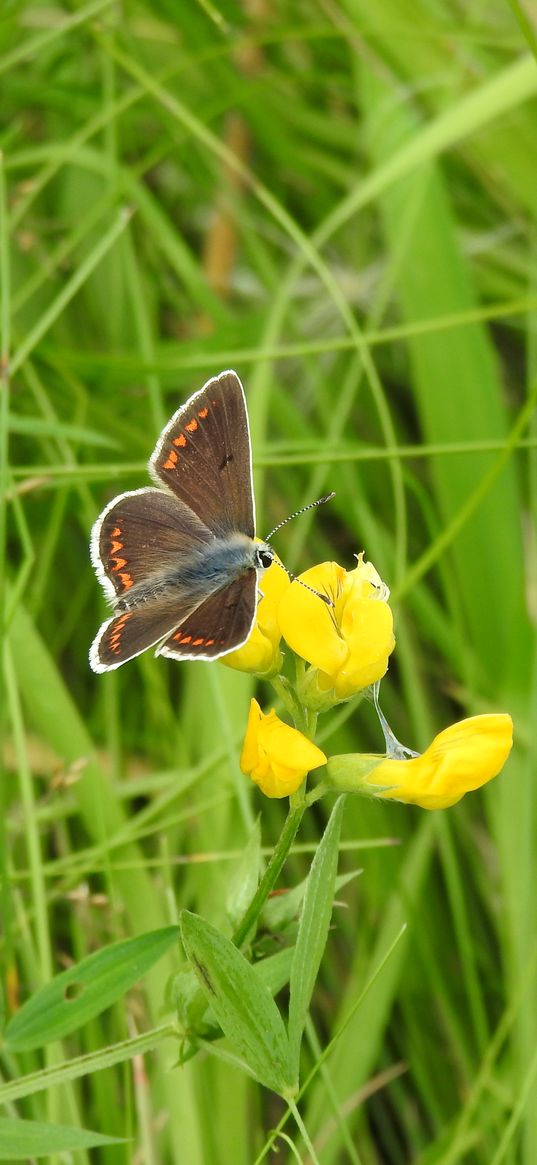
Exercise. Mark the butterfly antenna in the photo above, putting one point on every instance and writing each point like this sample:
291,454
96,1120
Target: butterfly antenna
311,506
325,598
320,502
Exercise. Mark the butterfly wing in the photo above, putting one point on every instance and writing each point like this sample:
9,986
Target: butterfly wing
132,631
204,457
220,624
144,535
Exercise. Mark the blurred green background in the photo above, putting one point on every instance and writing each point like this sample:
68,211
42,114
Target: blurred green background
337,200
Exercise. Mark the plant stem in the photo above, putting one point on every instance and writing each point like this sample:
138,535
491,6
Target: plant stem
270,876
288,698
301,1126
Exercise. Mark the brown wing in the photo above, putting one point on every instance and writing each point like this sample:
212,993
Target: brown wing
142,535
203,456
220,624
131,632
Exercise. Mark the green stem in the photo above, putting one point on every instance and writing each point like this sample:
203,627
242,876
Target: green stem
288,698
311,723
270,876
305,1136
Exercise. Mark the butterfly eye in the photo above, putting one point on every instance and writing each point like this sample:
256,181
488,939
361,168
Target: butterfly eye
265,557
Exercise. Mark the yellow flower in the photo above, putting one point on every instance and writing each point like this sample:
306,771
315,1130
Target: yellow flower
461,758
275,756
348,643
261,653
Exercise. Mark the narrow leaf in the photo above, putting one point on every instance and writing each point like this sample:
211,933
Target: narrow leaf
86,989
282,909
21,1139
240,1001
313,929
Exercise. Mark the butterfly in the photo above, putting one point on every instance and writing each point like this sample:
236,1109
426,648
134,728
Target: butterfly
178,560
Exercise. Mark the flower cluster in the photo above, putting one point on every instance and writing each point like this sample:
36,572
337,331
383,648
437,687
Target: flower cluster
347,644
340,624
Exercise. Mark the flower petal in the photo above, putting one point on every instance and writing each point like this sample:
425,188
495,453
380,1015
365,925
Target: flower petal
250,748
307,624
369,634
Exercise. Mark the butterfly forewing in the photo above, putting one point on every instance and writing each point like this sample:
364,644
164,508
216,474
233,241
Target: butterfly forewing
144,535
220,624
203,456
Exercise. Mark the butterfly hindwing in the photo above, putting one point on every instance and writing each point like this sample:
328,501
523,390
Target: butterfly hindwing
142,535
220,624
203,456
130,632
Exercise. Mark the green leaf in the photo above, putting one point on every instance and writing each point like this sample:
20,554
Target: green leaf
21,1139
241,1003
282,909
274,971
313,929
86,989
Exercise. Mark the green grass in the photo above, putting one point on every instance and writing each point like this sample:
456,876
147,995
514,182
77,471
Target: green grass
338,201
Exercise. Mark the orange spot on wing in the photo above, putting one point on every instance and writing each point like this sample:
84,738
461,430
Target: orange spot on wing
115,636
116,533
119,564
203,413
172,460
198,642
126,580
180,440
182,638
192,425
209,642
115,547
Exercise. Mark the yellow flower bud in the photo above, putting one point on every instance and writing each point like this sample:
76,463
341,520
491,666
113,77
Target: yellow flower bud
461,758
275,756
261,653
348,643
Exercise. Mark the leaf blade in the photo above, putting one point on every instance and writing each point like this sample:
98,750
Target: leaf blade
240,1001
83,991
313,929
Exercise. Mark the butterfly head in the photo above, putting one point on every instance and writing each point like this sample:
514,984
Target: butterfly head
264,555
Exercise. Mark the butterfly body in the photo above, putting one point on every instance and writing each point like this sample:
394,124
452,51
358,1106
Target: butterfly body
220,562
180,563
